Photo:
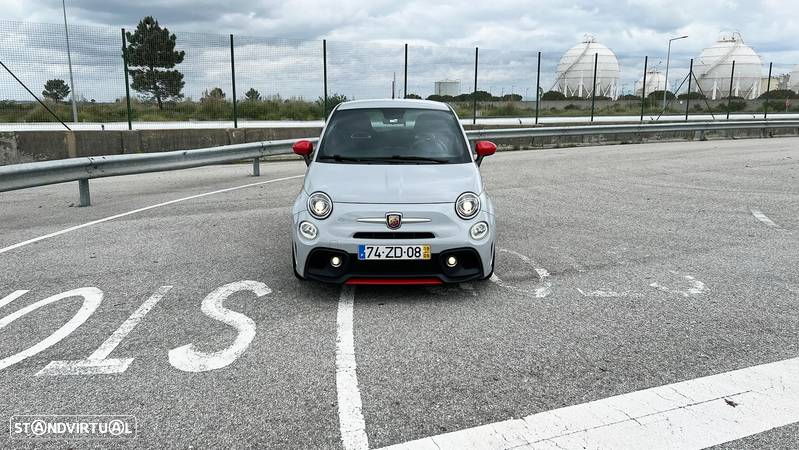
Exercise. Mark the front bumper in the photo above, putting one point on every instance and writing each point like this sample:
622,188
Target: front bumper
450,236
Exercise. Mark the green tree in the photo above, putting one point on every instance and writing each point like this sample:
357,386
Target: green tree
55,90
778,94
414,96
512,97
252,95
441,98
214,95
692,95
658,95
332,101
553,95
151,58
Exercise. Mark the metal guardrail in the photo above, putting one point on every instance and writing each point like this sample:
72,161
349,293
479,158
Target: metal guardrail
26,175
511,133
21,176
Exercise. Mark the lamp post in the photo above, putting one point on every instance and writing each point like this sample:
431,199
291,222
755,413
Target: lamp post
666,78
69,60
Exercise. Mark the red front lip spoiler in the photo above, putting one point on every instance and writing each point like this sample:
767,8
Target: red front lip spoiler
394,281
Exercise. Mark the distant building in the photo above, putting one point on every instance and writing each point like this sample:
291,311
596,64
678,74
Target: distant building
713,68
448,87
576,70
655,81
793,79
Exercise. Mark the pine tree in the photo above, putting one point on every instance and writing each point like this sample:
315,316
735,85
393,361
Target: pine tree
252,95
55,90
151,58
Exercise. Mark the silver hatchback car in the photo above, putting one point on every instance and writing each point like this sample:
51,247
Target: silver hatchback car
393,195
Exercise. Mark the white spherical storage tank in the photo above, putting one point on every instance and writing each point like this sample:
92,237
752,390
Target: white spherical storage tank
576,70
793,79
713,69
655,81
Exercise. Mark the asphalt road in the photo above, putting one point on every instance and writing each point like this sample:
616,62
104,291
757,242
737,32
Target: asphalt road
620,268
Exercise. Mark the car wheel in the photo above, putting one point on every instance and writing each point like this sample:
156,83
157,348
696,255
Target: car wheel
294,266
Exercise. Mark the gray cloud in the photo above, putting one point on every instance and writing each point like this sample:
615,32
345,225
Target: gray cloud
366,38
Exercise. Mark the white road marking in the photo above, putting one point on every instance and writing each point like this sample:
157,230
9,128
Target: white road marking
11,297
606,293
764,218
188,359
697,287
92,297
146,208
350,416
541,290
691,414
98,363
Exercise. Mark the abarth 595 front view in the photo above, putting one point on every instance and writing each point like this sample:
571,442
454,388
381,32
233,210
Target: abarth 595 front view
393,195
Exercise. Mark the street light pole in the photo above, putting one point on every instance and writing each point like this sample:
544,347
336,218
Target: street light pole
666,78
69,60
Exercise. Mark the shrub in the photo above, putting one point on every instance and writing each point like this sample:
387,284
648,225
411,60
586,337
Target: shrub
553,95
658,95
778,94
690,95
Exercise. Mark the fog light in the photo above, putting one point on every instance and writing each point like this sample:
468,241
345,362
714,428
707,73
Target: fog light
335,261
478,231
452,261
308,230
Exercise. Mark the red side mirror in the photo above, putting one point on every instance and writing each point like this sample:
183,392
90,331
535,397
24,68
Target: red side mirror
485,148
303,148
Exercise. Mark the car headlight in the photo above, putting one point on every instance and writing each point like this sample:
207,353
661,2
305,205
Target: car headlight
478,231
319,205
467,206
308,230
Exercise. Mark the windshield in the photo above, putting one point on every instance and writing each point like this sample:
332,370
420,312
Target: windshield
393,136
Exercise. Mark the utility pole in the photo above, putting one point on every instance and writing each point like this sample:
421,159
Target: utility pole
69,60
666,78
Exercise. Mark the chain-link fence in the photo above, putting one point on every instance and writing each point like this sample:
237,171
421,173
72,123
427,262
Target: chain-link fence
166,76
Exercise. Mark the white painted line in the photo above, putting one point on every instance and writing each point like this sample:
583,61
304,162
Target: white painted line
189,359
11,297
692,414
92,297
350,416
98,362
606,293
541,290
697,287
146,208
764,218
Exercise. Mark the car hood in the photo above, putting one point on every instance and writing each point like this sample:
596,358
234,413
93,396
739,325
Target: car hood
393,183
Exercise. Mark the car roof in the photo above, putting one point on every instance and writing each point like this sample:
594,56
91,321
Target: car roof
394,103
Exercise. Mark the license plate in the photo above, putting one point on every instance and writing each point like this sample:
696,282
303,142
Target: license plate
398,252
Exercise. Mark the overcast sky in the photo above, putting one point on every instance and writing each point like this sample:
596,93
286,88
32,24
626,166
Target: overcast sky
632,28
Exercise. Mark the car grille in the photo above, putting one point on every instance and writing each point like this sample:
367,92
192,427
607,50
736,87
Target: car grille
393,235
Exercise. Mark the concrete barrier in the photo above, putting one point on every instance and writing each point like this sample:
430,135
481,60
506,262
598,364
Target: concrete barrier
28,146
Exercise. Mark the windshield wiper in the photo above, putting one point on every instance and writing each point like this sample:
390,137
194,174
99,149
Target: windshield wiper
397,158
347,158
418,158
